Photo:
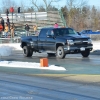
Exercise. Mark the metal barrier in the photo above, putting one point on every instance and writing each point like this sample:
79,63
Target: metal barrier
10,40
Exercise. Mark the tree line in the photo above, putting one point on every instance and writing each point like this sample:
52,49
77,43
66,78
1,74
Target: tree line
82,18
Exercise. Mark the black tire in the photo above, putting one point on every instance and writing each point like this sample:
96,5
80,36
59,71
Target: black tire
51,54
85,53
60,52
27,52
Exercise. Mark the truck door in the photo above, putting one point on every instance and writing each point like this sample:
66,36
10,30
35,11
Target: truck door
42,39
50,41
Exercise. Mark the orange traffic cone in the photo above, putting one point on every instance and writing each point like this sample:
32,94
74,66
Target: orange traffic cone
44,62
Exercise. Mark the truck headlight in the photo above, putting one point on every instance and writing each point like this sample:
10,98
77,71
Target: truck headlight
89,41
70,42
31,42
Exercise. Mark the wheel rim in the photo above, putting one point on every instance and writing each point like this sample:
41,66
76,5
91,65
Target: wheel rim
25,51
60,52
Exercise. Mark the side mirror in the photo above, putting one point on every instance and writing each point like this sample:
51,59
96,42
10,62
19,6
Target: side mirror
79,33
50,36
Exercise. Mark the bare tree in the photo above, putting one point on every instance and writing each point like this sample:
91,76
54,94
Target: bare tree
6,4
76,3
74,13
46,3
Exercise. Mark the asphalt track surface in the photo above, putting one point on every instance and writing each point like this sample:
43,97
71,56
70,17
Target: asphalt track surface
74,64
80,81
24,87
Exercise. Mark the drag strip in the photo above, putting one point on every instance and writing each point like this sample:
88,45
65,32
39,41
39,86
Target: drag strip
14,86
73,63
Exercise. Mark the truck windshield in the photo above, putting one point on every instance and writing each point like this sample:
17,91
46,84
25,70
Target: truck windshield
64,31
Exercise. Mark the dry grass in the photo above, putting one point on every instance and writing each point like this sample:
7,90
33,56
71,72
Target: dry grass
95,37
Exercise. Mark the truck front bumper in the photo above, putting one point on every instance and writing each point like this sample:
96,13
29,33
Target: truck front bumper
75,49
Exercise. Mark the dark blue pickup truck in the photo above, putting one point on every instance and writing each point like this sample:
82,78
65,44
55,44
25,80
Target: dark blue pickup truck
58,42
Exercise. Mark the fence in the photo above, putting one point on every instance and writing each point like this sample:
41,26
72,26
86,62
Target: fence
10,40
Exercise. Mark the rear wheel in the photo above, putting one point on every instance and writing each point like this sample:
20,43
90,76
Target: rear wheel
60,52
27,52
85,53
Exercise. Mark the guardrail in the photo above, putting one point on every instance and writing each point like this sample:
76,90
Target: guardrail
10,40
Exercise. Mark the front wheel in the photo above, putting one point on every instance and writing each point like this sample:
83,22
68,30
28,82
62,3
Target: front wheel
27,52
60,52
85,53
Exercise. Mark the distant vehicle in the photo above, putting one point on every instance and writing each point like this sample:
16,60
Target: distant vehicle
58,42
97,30
88,32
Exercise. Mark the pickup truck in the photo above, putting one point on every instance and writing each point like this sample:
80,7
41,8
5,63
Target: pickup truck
58,42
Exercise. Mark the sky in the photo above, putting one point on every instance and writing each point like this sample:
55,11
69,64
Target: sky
89,2
94,2
61,3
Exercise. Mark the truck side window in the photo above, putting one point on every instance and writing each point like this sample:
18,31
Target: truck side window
72,31
50,32
43,33
56,32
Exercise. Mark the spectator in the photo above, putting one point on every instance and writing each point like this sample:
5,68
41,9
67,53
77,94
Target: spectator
35,28
56,25
8,22
1,28
13,24
0,19
7,19
12,28
7,12
18,9
2,23
6,30
27,29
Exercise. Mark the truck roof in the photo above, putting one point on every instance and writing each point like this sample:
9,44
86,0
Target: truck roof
54,28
